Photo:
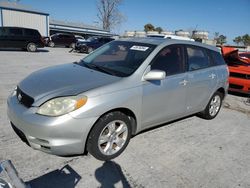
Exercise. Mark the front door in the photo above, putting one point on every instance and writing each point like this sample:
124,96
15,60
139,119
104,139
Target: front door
165,100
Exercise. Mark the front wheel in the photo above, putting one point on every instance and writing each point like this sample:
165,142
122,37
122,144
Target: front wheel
213,107
109,136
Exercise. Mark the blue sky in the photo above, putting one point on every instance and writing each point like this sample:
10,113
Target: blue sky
228,17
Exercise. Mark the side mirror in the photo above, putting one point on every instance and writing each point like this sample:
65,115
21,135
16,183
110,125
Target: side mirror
155,75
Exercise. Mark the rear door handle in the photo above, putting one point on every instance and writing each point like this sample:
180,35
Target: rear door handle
183,82
212,76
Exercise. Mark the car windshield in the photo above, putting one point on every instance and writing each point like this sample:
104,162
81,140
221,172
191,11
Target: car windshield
245,55
119,58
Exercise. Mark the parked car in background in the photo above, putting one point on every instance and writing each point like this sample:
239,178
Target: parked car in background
91,44
62,39
239,68
18,37
80,38
118,90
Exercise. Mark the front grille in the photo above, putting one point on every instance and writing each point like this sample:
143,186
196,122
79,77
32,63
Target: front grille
239,75
234,86
20,134
23,98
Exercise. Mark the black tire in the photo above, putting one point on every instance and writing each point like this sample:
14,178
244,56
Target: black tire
82,50
31,47
121,130
90,49
211,111
51,44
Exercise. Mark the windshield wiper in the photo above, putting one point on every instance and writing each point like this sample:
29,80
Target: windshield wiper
97,67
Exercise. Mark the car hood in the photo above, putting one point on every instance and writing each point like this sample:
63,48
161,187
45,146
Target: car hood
63,80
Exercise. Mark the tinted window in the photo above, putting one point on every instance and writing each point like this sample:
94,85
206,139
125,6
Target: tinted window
3,31
217,57
197,58
170,60
118,58
15,32
67,36
30,32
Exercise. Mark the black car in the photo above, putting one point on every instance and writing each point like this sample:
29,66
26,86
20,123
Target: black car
91,44
18,37
62,39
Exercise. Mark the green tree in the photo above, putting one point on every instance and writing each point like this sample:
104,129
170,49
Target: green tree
238,40
149,27
246,40
222,39
159,29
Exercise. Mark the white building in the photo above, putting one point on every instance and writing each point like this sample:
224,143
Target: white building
17,15
12,14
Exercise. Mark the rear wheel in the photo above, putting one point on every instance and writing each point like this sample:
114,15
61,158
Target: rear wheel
31,47
109,136
213,107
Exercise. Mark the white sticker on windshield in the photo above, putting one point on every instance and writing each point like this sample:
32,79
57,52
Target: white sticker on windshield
139,48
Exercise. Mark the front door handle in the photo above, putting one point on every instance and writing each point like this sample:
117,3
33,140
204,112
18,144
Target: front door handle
183,82
212,76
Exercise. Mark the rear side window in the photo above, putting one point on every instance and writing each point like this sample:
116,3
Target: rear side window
30,32
217,57
197,58
15,32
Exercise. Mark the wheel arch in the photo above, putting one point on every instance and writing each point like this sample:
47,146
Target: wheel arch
222,91
124,110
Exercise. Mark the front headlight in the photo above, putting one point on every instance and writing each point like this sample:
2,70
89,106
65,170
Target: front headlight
62,105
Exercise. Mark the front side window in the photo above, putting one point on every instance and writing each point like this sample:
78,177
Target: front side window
170,60
118,58
197,58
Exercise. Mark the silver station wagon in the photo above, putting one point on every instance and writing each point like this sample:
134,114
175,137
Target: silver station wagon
120,89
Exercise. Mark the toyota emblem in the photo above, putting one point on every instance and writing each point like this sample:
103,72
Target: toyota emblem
19,97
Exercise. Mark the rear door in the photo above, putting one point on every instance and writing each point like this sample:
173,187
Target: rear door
15,38
165,100
201,78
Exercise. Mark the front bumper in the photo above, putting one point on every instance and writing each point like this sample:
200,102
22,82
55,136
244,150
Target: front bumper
63,135
239,85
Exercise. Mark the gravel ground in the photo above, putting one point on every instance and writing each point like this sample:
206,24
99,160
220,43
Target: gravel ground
188,153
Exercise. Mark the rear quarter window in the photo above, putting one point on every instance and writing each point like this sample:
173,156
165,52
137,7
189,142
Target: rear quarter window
217,58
